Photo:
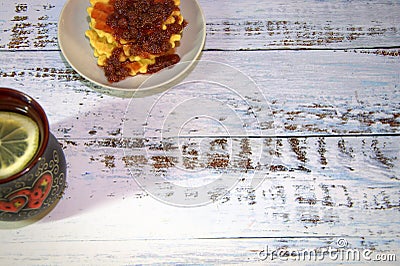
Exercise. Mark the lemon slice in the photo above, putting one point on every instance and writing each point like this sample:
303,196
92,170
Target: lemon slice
19,140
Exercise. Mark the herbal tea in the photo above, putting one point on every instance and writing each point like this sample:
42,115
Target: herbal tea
19,141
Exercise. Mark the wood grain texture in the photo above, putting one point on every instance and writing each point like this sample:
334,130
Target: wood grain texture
195,251
321,132
315,192
359,165
299,206
238,26
302,24
308,92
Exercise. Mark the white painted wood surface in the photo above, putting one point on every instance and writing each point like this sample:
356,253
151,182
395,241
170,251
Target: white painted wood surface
329,145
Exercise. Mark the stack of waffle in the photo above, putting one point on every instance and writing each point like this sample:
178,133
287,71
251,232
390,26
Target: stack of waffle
104,40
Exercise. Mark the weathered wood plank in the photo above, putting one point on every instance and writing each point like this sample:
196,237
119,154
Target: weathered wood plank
373,158
238,25
304,92
301,24
301,251
311,186
29,25
316,191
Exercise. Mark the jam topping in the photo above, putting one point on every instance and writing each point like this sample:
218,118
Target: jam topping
114,69
163,62
140,24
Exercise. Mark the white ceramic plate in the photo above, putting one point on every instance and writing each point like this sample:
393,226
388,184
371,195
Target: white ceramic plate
75,46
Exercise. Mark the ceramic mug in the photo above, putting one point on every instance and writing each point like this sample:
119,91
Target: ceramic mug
38,187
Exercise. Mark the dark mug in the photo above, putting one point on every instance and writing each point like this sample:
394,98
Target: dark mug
36,188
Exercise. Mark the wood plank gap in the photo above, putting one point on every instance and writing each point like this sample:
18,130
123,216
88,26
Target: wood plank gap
303,49
67,139
273,237
241,50
29,50
292,136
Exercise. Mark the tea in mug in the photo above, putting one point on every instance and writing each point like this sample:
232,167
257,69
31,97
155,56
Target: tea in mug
19,141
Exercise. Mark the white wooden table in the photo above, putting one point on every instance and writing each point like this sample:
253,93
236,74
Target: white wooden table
322,124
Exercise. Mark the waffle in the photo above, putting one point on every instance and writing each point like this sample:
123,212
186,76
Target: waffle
105,40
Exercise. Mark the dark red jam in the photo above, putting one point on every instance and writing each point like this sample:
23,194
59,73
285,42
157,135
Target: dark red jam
163,62
139,22
114,69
